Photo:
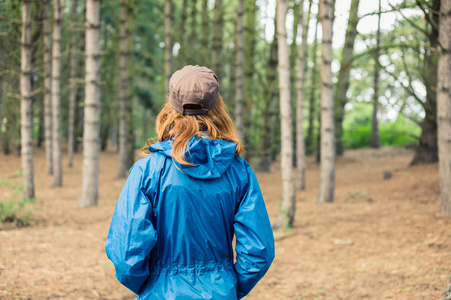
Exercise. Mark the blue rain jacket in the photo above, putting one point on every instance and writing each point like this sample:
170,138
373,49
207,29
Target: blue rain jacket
172,230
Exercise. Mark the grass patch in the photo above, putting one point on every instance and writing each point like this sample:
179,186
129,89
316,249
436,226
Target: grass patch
15,210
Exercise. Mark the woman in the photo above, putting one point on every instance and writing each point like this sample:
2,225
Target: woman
172,230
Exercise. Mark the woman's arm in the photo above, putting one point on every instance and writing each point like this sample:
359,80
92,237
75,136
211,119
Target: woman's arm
132,235
254,238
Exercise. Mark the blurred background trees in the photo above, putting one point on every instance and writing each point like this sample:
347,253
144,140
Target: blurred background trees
385,75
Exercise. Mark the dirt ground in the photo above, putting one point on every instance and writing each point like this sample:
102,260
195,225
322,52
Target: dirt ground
380,239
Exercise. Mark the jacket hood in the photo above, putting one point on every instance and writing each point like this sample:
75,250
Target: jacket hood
211,157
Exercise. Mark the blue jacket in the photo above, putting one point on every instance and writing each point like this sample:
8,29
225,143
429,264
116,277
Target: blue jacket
172,229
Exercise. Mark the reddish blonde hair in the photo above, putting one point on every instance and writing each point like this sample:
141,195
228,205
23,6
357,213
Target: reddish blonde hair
181,128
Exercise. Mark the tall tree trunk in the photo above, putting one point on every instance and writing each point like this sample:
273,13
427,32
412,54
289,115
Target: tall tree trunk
444,107
302,56
26,104
294,52
124,113
73,85
327,172
182,36
89,192
309,147
249,39
56,93
239,106
205,34
270,95
167,43
218,31
286,218
191,47
375,141
340,97
427,151
47,90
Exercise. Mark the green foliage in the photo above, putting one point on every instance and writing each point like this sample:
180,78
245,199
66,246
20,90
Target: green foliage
13,210
357,129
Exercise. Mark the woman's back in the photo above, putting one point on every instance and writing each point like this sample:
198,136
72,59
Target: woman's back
173,226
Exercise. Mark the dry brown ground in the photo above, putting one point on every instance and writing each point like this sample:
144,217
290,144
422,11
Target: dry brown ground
381,239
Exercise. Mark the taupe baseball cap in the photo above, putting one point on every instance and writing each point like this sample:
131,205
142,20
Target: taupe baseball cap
193,90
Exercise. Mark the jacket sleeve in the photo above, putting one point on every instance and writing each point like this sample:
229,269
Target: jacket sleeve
132,236
254,238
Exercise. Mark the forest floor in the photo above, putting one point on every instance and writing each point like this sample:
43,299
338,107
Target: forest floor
380,239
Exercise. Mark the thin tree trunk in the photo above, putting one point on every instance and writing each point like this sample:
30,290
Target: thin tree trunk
239,72
218,29
56,93
286,218
375,141
343,75
73,86
311,115
302,56
270,94
26,104
124,117
327,169
182,35
167,43
427,151
444,107
47,90
205,34
249,40
191,47
89,192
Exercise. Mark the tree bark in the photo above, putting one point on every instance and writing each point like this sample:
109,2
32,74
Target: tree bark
239,73
286,218
427,151
26,104
205,36
327,169
340,97
47,90
375,141
73,86
124,115
89,192
311,114
444,107
167,43
218,29
302,56
270,95
56,94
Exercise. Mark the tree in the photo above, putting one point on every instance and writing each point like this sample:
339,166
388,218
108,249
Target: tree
302,56
89,192
239,71
218,29
327,172
47,90
427,151
286,218
56,93
124,113
309,147
375,140
167,43
25,104
73,86
444,107
268,103
340,97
